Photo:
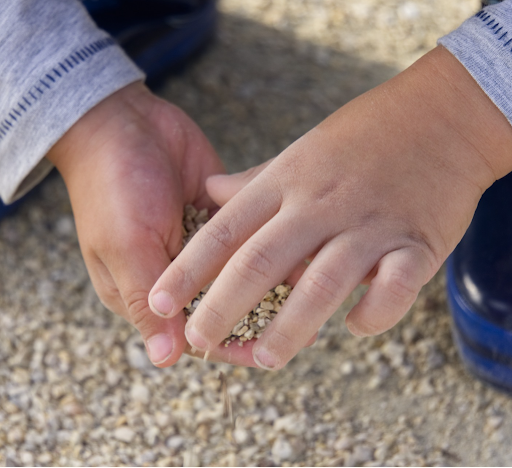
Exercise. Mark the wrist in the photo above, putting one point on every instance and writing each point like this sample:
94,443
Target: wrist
457,100
83,140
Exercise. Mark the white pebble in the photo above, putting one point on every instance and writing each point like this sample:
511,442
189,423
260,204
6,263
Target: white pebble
344,443
15,436
282,450
162,419
65,226
362,454
27,458
395,352
139,392
190,459
194,386
271,414
150,436
112,377
235,389
494,422
45,458
124,434
147,457
240,435
292,424
175,442
136,354
347,368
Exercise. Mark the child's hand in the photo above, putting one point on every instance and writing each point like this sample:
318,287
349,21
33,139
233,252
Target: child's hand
381,191
130,166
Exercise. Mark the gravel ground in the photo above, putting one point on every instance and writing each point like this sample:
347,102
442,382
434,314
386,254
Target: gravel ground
76,387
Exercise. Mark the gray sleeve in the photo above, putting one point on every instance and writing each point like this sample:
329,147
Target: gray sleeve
483,44
55,65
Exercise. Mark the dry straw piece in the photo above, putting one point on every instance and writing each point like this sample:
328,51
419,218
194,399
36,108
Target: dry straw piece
255,322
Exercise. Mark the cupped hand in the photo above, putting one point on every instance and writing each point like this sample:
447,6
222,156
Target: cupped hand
381,191
130,165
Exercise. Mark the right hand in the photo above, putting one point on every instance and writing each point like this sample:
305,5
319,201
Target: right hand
130,166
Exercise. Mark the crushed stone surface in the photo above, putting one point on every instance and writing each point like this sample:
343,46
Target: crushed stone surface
76,387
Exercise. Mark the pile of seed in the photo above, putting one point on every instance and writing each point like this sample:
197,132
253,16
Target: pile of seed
193,220
256,321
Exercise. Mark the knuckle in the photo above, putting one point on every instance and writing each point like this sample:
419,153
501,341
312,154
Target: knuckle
323,288
251,173
400,286
275,181
327,192
283,347
253,264
138,308
213,319
180,280
219,233
368,327
111,303
283,339
107,293
420,246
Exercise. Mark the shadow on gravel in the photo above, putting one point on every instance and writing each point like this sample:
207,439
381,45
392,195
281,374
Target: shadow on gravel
257,89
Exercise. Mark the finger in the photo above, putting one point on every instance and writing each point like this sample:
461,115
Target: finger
294,277
260,264
330,278
223,188
210,249
135,267
235,354
311,341
110,298
104,285
400,276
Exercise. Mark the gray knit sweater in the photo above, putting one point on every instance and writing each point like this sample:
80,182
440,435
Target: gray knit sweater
55,65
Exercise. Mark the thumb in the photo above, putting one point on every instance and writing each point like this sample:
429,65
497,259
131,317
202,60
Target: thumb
135,270
222,188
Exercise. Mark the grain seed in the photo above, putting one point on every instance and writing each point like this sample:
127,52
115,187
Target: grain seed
253,324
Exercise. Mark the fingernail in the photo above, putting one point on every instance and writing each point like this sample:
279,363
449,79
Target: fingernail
355,331
195,339
159,347
264,359
161,303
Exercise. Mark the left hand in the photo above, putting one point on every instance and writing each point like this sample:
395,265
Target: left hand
382,191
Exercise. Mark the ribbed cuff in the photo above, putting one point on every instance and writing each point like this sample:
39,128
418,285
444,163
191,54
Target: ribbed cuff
483,44
59,96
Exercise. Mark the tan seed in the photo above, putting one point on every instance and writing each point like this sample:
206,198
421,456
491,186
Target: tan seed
242,330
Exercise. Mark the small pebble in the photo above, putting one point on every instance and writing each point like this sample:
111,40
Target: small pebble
124,434
282,450
139,392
